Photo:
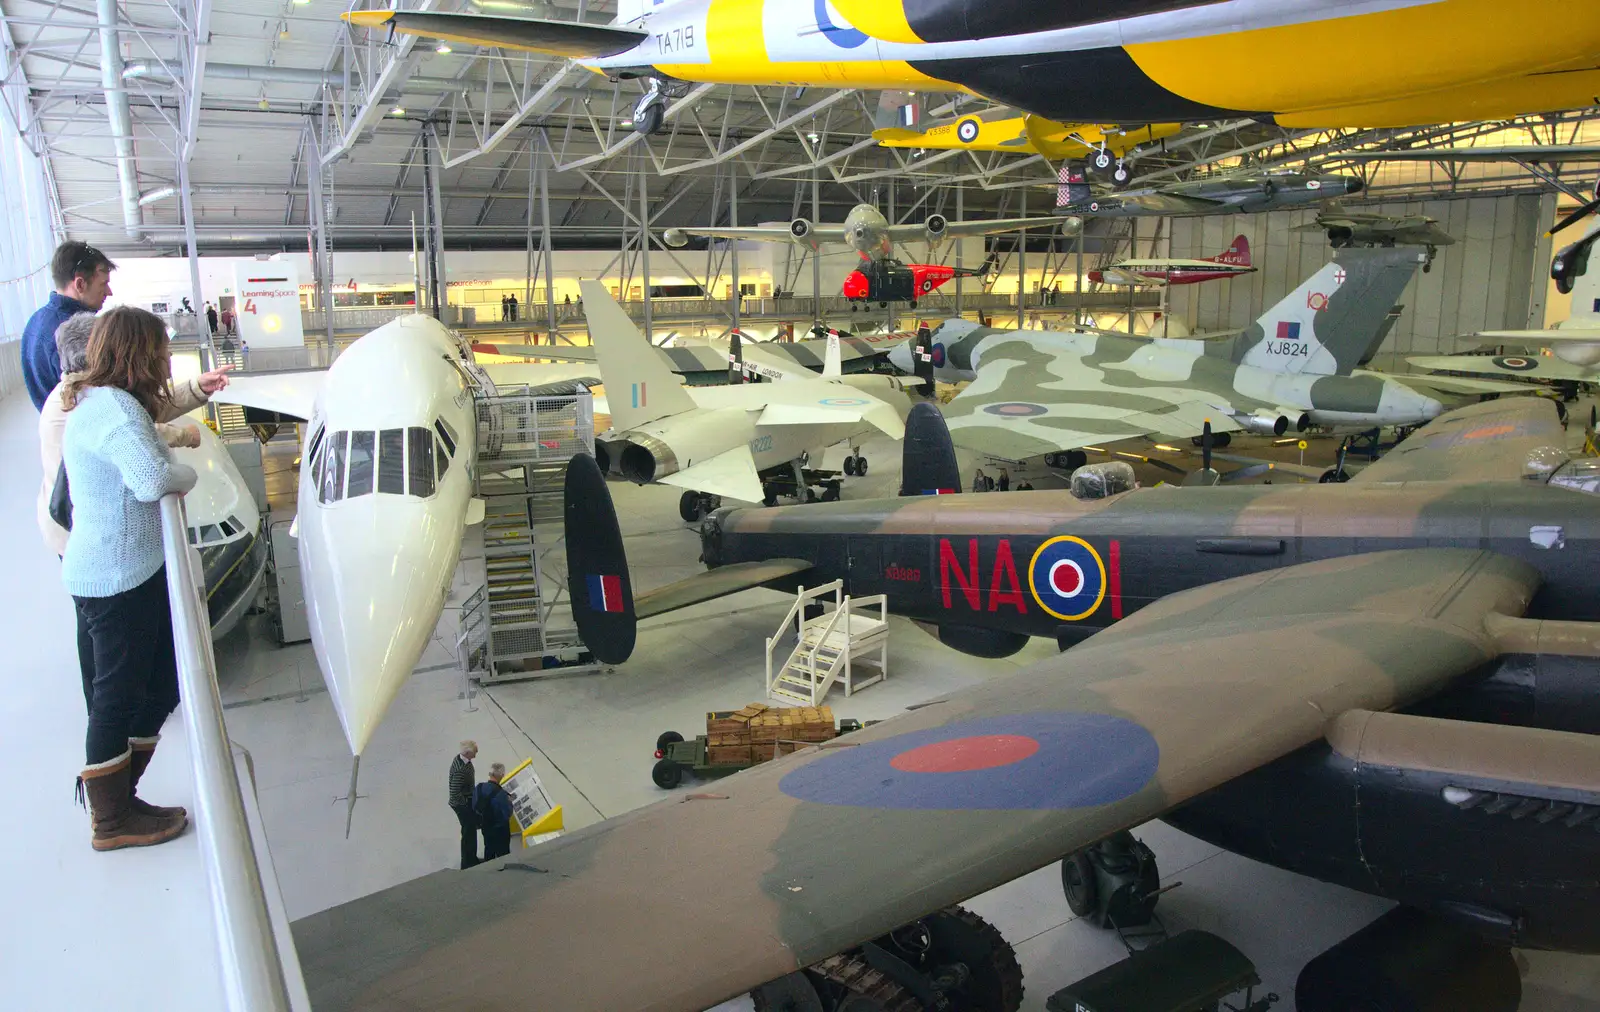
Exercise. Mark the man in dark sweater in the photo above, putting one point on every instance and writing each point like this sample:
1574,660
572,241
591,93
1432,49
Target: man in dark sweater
82,276
493,807
462,779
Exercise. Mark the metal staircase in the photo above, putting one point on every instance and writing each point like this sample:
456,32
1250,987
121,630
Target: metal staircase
525,438
829,644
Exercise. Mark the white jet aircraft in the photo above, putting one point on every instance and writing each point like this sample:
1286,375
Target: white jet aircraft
738,441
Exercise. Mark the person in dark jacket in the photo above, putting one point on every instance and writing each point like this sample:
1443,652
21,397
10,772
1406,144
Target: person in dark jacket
462,777
82,276
492,805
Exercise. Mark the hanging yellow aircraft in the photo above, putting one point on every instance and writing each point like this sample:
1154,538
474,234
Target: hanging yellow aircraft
1003,131
1312,63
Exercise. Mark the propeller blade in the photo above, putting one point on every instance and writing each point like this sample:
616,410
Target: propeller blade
1206,440
1576,216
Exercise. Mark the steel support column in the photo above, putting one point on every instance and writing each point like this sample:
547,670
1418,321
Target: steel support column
432,157
960,216
644,239
1022,263
733,244
544,232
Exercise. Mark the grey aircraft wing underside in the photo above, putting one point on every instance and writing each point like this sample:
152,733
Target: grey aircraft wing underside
1033,395
1535,366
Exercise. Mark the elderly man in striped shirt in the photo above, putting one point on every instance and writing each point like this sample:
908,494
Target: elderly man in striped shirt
462,780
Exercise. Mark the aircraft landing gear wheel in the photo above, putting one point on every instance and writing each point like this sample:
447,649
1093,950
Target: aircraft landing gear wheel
1221,439
1334,475
850,466
883,305
667,738
810,496
1121,174
830,492
666,774
913,303
769,494
1102,159
941,944
1079,884
650,120
689,507
861,467
1074,459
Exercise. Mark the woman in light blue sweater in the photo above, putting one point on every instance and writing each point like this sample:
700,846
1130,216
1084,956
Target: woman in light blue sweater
117,470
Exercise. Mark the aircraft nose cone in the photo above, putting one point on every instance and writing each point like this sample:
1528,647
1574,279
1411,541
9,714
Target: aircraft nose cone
1354,185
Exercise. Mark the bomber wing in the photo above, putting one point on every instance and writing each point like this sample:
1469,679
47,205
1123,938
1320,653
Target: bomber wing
812,237
940,804
1028,399
1528,366
706,358
1146,203
1481,442
968,229
570,39
288,393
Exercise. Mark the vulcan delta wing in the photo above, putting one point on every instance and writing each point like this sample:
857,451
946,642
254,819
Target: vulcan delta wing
936,805
1042,392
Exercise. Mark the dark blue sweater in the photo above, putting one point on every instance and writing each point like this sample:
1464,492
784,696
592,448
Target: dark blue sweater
492,796
41,366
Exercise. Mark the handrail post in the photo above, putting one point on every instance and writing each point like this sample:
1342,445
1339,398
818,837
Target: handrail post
252,968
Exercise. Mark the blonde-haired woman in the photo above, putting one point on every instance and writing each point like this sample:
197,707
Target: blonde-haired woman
117,470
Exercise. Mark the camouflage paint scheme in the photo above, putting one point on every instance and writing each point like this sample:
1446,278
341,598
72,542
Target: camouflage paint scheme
1156,716
1242,194
578,923
1035,392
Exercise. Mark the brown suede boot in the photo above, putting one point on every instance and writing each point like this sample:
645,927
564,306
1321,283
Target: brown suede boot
116,824
144,749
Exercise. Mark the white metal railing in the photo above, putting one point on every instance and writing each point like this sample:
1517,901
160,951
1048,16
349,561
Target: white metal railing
253,950
838,638
10,365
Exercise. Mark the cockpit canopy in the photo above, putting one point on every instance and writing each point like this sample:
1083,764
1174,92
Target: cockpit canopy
409,461
1101,481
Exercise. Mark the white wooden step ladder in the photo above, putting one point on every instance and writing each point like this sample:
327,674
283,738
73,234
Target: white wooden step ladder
829,645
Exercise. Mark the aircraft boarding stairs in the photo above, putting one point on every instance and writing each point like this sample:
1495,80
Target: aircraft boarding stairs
829,644
518,619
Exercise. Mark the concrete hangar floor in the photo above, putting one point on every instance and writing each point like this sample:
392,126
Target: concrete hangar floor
590,738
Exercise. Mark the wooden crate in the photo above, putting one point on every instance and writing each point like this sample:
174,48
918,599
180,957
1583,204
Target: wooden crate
762,751
728,755
733,721
728,738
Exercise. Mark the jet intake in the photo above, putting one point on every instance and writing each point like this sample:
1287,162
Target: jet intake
803,231
1265,423
936,226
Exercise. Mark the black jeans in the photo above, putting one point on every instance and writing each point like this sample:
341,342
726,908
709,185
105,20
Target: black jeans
469,834
496,844
130,670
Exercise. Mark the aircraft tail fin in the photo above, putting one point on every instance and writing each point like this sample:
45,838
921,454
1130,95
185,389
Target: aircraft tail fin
639,385
832,362
597,565
735,358
1236,255
928,463
1074,188
1326,325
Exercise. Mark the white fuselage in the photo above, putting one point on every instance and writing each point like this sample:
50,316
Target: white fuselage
386,478
222,513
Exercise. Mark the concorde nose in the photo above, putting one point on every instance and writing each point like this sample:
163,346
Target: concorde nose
372,615
1399,404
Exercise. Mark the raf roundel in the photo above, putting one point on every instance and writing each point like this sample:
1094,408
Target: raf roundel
1067,578
1016,409
1516,363
843,402
1018,762
967,130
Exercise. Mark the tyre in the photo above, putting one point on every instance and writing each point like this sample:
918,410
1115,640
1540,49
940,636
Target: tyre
769,494
651,119
913,303
1221,439
666,774
811,495
1121,175
1052,460
830,492
1102,159
1079,884
850,466
689,507
861,467
1074,459
1334,475
667,738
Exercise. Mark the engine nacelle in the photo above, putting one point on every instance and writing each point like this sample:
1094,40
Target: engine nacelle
980,642
803,232
1301,420
1263,423
1578,353
643,459
935,227
1071,225
677,238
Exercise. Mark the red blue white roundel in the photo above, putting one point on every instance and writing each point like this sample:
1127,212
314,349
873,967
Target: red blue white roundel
1017,762
1067,578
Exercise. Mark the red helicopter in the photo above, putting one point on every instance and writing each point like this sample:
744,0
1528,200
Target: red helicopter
885,281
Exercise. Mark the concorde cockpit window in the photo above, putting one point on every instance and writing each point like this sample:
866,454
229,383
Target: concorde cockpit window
392,461
331,485
447,435
419,461
363,450
1101,481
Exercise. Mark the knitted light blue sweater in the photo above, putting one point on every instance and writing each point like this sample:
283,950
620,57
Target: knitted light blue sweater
118,469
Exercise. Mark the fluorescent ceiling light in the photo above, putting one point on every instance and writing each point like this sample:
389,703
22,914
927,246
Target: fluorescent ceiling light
442,48
398,110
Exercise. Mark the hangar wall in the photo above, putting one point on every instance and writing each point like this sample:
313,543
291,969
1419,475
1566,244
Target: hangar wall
1494,277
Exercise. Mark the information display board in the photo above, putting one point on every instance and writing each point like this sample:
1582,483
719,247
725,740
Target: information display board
532,811
268,304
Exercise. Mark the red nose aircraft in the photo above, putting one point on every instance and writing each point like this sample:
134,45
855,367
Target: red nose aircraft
886,281
1230,263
